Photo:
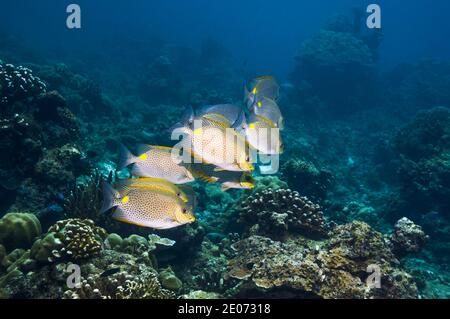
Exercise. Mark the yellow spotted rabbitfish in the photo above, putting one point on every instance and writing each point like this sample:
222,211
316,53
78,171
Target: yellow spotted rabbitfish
155,161
158,184
146,207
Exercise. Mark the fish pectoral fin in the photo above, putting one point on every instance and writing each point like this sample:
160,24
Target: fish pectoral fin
218,169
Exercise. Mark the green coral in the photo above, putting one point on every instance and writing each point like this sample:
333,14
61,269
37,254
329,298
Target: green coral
169,280
18,230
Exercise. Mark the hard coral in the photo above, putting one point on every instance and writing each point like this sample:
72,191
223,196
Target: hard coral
277,213
306,178
408,237
335,268
18,83
123,285
70,239
18,230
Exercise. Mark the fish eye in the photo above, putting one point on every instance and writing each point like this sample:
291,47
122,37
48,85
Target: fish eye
184,210
247,159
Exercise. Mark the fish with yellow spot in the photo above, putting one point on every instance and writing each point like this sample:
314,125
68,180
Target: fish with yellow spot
261,134
261,87
158,184
213,142
146,207
228,179
157,162
268,109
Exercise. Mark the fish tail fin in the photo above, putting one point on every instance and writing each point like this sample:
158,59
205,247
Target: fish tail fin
126,158
225,187
109,196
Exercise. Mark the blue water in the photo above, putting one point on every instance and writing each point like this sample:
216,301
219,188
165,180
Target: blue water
366,138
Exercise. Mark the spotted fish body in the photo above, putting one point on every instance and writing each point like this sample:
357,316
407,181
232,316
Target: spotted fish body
156,162
157,184
268,109
212,142
262,87
261,135
147,208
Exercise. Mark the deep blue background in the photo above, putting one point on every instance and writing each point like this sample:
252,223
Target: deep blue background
265,34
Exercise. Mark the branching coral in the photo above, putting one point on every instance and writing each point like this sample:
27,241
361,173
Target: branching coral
276,213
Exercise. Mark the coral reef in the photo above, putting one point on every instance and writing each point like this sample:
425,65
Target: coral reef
18,230
69,239
424,168
306,178
44,133
408,237
110,267
335,268
335,65
279,212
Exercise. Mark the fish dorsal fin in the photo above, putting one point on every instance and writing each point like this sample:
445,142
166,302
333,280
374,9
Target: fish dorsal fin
143,148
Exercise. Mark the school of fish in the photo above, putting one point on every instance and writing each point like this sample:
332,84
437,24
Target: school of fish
218,146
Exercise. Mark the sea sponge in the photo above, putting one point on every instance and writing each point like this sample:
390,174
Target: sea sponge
18,230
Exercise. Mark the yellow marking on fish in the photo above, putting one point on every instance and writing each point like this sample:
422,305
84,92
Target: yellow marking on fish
161,190
255,90
220,124
205,177
252,125
143,157
266,120
259,103
198,131
225,120
247,185
125,200
124,220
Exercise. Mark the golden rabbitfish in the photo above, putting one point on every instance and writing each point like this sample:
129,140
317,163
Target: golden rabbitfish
157,184
156,162
146,207
228,179
268,109
261,87
261,134
213,142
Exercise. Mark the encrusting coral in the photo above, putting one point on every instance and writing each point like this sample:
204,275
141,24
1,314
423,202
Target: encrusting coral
335,268
278,212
